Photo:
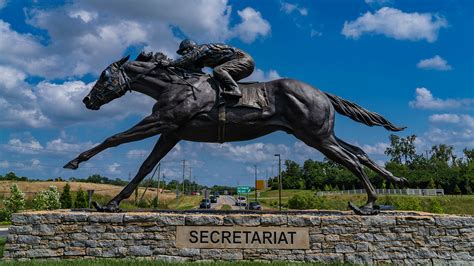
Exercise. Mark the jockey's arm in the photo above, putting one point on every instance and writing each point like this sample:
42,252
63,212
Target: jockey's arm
191,57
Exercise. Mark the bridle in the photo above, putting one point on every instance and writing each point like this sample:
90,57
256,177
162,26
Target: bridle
120,83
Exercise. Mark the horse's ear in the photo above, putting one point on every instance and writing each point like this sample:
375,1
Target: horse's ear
122,61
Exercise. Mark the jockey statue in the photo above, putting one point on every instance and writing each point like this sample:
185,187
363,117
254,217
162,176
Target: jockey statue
229,63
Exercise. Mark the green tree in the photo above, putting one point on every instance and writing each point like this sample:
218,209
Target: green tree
47,199
457,190
401,148
432,184
81,200
442,153
469,154
66,198
15,203
292,177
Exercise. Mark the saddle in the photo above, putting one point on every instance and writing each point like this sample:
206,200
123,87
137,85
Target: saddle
254,95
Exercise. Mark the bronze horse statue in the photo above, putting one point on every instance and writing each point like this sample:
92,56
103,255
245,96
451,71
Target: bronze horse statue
187,108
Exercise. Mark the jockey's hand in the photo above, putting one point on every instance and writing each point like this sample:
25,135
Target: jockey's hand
164,63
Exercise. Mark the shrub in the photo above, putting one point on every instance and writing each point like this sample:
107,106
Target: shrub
435,206
15,203
143,204
82,200
408,203
47,199
298,202
306,201
66,198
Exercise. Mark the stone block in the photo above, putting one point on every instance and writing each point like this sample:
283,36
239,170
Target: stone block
304,220
274,219
20,229
140,251
106,218
244,220
204,220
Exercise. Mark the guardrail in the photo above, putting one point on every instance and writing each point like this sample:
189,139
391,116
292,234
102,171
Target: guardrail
401,191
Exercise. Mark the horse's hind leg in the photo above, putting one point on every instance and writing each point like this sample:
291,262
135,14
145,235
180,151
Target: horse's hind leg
365,160
331,148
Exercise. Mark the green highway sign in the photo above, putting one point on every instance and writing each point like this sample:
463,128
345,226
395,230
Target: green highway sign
243,189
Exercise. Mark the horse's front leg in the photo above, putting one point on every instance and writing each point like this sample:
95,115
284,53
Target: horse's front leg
162,147
146,128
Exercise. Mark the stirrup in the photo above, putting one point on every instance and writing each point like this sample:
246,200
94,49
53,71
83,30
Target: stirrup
231,94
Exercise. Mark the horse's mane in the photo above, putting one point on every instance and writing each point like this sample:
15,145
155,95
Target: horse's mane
152,56
160,57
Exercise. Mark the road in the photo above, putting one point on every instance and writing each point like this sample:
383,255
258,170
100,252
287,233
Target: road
3,231
225,200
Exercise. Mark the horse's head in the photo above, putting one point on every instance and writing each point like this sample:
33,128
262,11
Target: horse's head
111,84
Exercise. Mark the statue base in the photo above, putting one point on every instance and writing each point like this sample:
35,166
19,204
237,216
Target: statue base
333,236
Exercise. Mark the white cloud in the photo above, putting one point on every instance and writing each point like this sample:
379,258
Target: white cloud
97,40
61,146
4,164
290,8
113,168
444,118
396,24
378,2
459,139
315,33
302,152
260,75
17,101
252,25
132,154
425,100
376,149
249,153
24,147
3,3
436,63
461,120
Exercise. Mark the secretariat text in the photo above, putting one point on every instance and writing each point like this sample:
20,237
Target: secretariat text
242,237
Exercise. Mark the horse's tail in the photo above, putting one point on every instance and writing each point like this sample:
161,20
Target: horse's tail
360,114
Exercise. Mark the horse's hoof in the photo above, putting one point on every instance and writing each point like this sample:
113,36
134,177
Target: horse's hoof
74,164
110,207
364,210
403,180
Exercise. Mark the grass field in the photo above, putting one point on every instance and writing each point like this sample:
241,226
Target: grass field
2,245
449,204
226,207
185,202
104,190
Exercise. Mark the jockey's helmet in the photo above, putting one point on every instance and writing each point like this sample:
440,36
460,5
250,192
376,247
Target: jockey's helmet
185,46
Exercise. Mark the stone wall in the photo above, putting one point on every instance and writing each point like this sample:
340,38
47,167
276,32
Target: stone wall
388,238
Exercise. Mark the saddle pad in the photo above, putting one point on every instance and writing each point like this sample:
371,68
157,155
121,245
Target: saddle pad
254,96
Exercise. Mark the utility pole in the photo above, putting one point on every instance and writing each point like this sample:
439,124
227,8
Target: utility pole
190,188
158,185
279,180
184,166
255,182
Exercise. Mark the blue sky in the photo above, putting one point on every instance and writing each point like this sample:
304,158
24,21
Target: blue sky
411,61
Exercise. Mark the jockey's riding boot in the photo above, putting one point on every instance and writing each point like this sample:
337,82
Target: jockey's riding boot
232,91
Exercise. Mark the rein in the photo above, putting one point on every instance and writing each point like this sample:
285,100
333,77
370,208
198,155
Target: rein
129,81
